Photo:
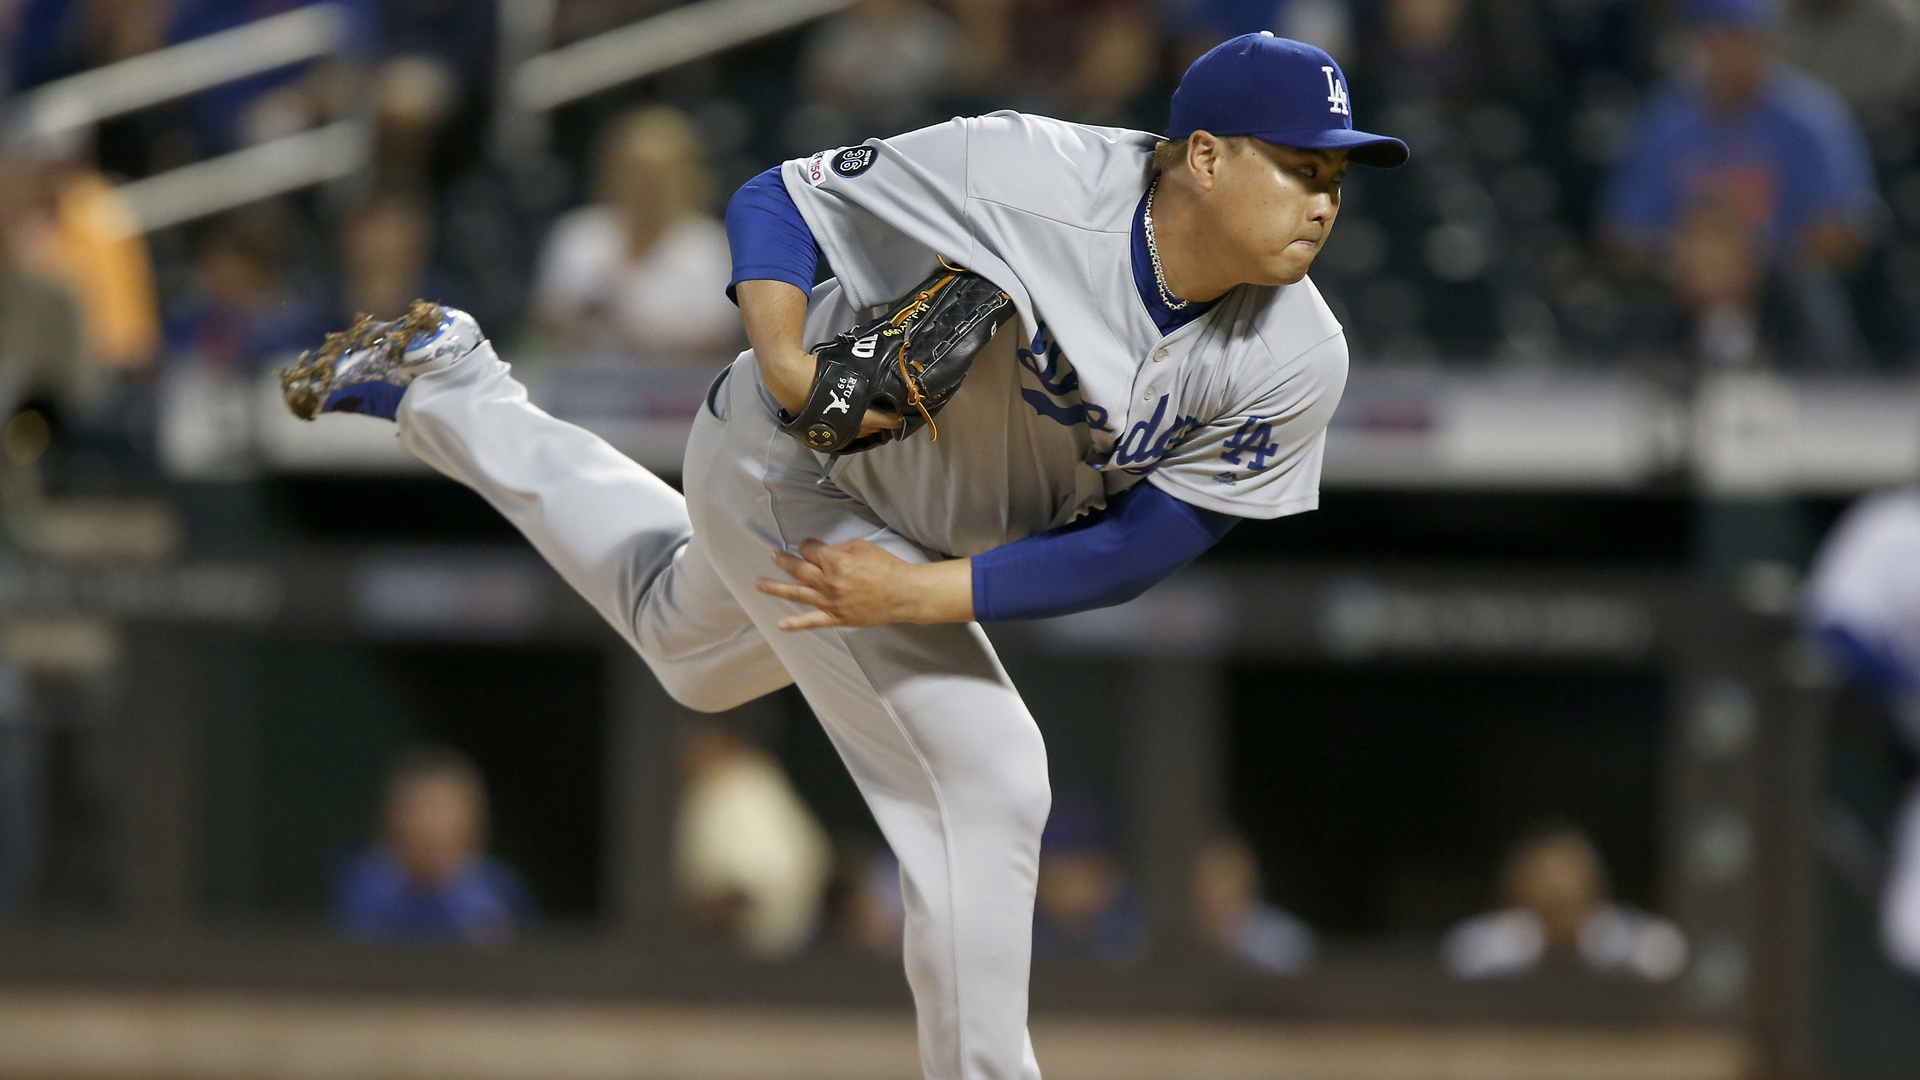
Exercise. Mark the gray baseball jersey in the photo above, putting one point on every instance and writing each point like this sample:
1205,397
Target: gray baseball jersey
1228,412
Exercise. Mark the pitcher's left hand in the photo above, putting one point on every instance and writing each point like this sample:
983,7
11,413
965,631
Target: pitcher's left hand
860,583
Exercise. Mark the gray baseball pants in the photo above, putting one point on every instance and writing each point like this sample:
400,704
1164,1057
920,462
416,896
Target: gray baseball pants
936,737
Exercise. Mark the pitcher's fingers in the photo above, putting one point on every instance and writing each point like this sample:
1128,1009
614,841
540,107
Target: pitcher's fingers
787,590
812,620
800,569
876,420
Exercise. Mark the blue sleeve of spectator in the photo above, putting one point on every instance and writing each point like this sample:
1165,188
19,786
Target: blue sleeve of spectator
1638,198
769,239
1103,559
1849,165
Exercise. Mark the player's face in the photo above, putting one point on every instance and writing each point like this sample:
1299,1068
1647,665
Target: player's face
1276,205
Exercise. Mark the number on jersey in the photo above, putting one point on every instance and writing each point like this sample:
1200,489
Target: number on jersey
1254,440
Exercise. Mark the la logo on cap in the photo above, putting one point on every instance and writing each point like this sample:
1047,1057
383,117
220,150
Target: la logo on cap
1336,93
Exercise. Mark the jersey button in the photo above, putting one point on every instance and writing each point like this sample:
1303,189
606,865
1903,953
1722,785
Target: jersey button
1149,394
1159,355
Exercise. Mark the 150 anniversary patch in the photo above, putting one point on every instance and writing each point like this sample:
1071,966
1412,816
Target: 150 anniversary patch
847,161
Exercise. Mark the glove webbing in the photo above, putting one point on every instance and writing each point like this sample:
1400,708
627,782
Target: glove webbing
907,314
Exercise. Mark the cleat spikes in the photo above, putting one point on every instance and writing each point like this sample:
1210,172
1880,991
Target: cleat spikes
370,349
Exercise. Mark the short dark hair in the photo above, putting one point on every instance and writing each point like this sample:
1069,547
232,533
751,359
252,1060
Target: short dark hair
1170,154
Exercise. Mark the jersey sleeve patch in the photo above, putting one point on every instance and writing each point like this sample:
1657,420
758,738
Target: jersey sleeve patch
846,161
853,161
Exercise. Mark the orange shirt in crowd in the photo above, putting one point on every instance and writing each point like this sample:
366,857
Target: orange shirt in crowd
93,246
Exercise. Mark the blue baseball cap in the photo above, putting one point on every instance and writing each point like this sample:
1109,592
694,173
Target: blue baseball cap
1280,91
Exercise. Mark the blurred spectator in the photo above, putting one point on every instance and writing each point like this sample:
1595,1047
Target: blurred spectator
1863,598
1202,24
1199,25
1559,910
1868,50
643,271
240,315
1775,146
1423,51
750,861
385,247
416,95
42,347
1234,922
1083,909
431,877
984,48
274,103
871,909
458,32
879,63
1083,60
1719,272
438,79
55,38
87,239
1092,57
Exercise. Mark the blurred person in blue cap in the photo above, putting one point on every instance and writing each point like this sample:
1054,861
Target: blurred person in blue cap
1190,371
1863,601
1084,910
431,878
1744,134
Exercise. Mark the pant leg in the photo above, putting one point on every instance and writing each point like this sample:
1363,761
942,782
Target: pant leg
931,729
929,725
617,533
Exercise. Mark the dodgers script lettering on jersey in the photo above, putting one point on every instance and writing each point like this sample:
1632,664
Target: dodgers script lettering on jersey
1228,412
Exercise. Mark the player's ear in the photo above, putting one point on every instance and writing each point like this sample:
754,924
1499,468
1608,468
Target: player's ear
1204,151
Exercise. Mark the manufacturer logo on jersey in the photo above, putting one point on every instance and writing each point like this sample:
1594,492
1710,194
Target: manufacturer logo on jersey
853,161
1336,93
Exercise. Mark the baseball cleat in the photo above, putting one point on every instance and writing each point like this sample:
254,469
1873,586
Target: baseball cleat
368,366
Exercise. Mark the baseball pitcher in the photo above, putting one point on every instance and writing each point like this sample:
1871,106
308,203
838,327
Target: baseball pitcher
1054,363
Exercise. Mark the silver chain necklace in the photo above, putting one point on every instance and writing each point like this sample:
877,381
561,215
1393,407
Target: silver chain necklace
1173,302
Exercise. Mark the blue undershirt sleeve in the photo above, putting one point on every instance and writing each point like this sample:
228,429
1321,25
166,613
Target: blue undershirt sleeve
769,239
1105,558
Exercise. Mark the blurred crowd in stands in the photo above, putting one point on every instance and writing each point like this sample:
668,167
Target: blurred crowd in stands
1662,187
755,871
1709,183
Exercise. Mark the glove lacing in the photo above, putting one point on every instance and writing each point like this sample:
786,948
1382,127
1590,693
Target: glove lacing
907,318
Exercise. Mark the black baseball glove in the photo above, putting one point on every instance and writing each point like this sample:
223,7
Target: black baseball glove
908,362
